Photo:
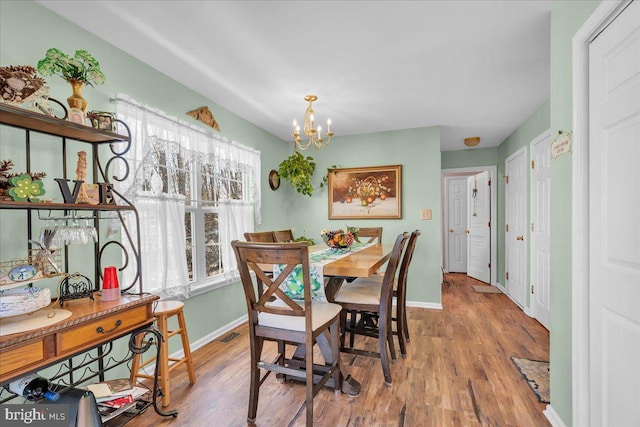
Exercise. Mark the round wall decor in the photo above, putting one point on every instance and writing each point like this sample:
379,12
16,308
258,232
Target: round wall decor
274,179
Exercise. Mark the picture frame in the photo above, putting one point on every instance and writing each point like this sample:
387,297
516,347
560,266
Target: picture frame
373,192
76,115
103,120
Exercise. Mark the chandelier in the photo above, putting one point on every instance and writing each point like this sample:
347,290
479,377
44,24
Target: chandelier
314,135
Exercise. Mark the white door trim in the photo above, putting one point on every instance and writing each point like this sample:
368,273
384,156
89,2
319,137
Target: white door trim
604,14
493,175
532,202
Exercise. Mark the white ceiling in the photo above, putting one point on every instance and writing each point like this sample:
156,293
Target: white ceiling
472,67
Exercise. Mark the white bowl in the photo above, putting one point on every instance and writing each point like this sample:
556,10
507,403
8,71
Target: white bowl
14,302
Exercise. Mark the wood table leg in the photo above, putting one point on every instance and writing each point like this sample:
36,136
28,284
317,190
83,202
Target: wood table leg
332,287
350,386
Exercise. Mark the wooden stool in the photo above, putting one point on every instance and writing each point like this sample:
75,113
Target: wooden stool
163,311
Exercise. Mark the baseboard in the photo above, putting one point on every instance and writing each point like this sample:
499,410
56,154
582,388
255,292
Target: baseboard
420,304
553,417
502,288
212,336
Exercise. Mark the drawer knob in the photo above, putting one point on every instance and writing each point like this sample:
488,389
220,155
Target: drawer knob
101,330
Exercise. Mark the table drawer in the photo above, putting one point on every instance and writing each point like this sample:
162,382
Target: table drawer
98,330
20,357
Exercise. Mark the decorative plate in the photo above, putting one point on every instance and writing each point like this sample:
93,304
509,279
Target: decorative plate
22,273
14,302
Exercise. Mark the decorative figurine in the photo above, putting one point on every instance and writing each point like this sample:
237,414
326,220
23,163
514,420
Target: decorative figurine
81,175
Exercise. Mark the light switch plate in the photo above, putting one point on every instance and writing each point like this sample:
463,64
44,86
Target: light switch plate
425,214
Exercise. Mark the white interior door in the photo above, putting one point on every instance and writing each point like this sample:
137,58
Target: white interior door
614,229
516,226
479,227
540,232
457,224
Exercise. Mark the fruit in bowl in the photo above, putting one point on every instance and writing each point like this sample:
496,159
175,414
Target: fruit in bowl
337,239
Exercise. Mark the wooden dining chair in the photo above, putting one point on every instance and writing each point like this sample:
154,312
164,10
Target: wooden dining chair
284,235
374,234
285,320
261,236
401,329
360,299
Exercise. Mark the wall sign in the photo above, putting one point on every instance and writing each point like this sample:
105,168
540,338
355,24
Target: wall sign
561,144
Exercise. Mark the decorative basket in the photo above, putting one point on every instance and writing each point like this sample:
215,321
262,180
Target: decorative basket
14,302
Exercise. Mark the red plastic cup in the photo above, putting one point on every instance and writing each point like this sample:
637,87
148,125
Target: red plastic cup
110,285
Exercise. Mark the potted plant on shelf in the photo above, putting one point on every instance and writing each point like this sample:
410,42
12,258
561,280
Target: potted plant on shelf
78,70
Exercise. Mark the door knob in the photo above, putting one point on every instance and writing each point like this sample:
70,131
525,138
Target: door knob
451,230
520,238
466,231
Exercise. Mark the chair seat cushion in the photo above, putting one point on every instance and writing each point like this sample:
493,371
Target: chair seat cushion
363,293
321,313
373,281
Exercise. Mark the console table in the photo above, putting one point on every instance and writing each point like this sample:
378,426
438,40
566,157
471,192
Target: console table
91,324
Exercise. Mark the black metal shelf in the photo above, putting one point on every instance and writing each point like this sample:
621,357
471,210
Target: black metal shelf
5,204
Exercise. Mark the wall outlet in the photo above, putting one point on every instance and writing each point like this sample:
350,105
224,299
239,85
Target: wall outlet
425,214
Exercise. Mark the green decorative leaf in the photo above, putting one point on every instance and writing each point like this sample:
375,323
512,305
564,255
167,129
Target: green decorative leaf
24,189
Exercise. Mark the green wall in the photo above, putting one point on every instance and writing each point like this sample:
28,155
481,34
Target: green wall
566,18
472,157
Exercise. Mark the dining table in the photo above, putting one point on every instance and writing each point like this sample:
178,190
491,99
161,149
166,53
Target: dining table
356,262
360,263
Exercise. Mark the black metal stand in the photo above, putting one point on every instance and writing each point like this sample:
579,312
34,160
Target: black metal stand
143,347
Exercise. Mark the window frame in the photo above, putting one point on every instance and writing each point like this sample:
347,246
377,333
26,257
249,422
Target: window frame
197,208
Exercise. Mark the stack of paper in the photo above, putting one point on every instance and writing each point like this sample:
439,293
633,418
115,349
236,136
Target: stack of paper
115,397
111,389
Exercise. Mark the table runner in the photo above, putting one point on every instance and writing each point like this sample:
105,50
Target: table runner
293,285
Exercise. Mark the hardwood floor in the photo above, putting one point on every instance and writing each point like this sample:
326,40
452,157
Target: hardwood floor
458,372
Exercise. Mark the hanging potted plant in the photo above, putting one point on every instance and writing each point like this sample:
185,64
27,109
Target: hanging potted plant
78,70
298,170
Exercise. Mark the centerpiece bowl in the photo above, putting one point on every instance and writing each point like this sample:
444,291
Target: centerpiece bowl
337,239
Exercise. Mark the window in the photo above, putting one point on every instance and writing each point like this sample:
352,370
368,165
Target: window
203,184
195,192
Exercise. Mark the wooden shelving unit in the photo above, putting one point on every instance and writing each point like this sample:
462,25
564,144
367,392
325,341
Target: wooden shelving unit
94,324
26,119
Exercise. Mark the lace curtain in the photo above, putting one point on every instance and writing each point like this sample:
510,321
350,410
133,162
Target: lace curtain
163,152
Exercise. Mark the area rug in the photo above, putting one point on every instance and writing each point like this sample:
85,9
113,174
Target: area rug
536,373
486,289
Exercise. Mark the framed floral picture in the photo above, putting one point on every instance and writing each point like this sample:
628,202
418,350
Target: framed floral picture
369,192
